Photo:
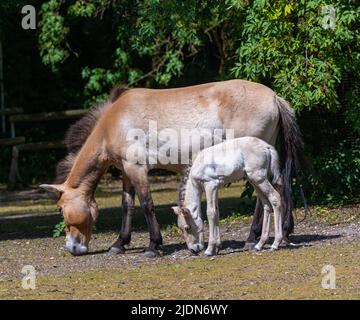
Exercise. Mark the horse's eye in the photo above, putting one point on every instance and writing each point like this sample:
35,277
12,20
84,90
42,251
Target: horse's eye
187,228
61,211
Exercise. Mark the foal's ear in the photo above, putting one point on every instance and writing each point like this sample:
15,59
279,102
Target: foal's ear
176,210
53,188
186,212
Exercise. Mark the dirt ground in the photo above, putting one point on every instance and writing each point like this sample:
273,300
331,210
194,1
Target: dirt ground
329,236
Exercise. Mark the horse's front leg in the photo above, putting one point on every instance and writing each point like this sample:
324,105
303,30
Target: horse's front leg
128,206
138,175
256,226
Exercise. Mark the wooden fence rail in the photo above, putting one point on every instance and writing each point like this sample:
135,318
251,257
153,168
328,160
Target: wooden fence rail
44,116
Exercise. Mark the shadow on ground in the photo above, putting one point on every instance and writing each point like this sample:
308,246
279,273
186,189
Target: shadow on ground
40,226
231,246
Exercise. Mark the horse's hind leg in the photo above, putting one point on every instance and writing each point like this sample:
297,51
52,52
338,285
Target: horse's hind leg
139,178
128,203
266,224
255,229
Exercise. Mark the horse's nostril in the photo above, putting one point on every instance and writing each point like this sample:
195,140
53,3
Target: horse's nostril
74,248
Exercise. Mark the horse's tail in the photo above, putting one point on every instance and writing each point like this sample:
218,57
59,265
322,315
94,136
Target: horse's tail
294,158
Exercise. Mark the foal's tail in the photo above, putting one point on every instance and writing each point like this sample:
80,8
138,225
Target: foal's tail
274,168
294,158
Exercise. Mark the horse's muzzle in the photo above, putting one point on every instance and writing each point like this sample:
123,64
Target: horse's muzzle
74,247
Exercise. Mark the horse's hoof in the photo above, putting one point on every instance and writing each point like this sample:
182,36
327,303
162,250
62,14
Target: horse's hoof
117,250
151,253
287,243
249,246
272,249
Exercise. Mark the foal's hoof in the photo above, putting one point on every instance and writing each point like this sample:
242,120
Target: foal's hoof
249,246
211,253
150,253
257,248
117,250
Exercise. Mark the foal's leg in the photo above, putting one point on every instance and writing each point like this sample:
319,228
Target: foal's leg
128,203
257,222
266,225
275,200
255,229
138,175
211,190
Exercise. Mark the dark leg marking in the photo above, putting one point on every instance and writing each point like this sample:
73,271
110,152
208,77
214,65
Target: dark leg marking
128,204
256,226
154,229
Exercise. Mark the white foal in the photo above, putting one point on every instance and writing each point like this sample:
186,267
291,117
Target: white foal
242,158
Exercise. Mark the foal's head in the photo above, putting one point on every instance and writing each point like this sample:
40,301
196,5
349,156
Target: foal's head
79,211
192,230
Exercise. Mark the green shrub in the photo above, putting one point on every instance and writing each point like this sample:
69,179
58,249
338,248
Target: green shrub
335,177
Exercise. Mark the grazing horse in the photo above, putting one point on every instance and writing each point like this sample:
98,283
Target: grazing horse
246,158
101,139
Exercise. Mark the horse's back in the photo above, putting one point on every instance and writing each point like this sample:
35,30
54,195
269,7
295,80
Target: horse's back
245,107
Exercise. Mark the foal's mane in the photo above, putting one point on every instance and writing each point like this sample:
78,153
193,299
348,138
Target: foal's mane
78,133
182,186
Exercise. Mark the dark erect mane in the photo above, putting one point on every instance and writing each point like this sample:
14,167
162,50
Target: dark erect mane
78,133
116,92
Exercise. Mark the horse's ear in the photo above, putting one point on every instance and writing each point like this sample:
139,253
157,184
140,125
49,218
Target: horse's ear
53,188
176,210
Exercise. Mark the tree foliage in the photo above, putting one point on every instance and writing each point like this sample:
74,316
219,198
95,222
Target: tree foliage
288,44
292,45
306,50
152,40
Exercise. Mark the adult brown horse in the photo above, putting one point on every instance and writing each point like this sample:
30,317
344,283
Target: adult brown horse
100,140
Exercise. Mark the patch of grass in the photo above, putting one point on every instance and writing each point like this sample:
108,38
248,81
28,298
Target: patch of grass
286,274
332,215
172,230
235,217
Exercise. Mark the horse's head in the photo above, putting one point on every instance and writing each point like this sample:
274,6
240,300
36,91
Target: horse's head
79,211
192,228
